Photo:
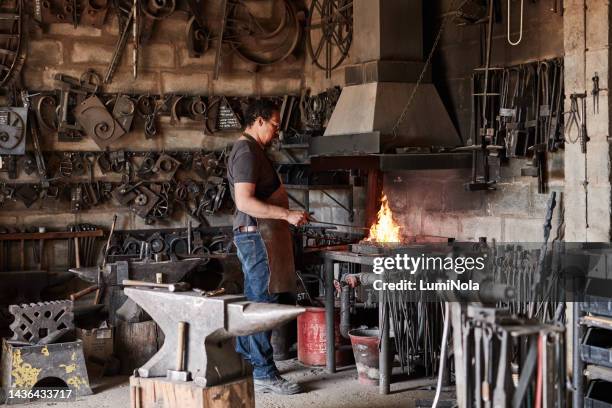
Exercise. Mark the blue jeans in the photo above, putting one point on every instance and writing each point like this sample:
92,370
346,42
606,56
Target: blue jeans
256,348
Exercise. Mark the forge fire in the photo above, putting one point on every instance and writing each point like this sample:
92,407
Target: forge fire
385,230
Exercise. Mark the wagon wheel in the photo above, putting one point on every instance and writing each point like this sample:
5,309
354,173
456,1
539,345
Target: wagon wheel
330,32
263,41
11,35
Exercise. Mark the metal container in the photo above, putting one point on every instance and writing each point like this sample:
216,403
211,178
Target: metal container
311,339
365,348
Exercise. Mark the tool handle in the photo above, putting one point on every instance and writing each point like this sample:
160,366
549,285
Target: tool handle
83,292
130,282
180,349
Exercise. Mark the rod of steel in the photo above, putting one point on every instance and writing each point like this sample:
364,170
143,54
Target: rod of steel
384,384
329,316
338,225
578,364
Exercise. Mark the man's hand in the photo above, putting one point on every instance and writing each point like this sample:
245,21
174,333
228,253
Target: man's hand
297,218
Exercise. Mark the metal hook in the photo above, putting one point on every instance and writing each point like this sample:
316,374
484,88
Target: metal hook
520,38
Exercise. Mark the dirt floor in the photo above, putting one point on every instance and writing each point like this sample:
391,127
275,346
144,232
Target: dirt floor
338,390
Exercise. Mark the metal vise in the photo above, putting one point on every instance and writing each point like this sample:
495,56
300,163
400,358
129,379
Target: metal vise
209,357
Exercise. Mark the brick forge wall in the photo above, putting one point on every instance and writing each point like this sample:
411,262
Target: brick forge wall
164,68
435,202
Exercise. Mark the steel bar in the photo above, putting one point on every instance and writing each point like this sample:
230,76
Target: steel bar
578,364
329,316
384,385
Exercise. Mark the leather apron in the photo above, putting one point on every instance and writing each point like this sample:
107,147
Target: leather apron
279,246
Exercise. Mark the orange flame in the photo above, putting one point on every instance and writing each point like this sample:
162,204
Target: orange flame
385,229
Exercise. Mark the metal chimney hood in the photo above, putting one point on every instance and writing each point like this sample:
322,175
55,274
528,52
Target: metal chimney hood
388,47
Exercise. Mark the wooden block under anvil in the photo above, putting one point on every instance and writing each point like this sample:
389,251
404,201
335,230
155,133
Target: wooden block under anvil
163,393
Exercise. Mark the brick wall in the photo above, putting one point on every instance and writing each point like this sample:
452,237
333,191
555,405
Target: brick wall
513,212
164,68
435,202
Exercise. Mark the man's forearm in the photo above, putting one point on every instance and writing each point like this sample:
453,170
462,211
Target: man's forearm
259,209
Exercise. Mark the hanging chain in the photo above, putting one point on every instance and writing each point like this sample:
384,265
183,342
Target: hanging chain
402,117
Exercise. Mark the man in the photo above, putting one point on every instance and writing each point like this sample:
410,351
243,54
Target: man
262,236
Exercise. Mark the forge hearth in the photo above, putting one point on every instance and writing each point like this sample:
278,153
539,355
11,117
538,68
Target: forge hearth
411,244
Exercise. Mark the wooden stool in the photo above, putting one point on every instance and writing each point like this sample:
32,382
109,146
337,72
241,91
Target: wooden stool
163,393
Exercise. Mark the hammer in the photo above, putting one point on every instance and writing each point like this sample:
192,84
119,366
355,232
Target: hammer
172,287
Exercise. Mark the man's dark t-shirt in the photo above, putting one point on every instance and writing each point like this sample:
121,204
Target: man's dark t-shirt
248,163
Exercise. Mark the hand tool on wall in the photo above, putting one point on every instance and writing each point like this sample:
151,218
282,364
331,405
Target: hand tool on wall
577,114
119,48
136,36
40,161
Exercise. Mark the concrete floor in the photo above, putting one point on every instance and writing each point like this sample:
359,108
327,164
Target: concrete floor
340,390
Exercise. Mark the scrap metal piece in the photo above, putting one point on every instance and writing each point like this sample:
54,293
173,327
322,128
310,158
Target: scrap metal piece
124,195
158,9
144,202
210,357
57,11
94,13
166,164
98,123
13,125
24,367
36,321
27,194
123,111
45,107
198,38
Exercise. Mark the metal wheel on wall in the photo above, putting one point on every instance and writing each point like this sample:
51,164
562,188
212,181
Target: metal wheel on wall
330,33
263,41
11,21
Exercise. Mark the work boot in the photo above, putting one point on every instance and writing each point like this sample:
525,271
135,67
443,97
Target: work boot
277,385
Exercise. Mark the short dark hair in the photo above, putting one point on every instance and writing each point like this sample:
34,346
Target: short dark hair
263,108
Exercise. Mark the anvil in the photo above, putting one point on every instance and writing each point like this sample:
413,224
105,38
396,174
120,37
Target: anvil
140,270
212,322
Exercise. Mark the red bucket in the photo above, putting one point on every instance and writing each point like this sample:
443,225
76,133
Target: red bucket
365,348
312,346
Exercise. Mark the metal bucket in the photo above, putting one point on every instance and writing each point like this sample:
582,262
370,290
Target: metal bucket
365,349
